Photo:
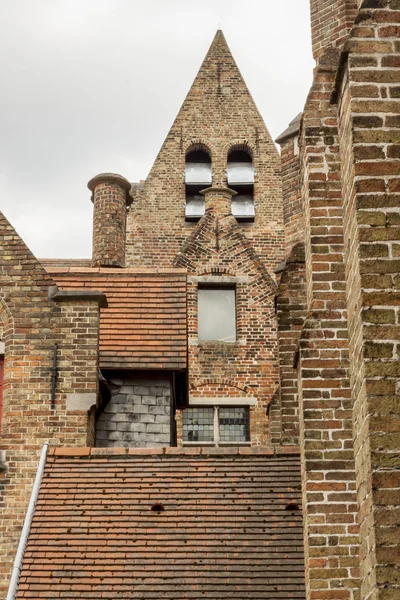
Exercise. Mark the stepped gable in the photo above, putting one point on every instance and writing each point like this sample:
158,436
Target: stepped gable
144,326
167,523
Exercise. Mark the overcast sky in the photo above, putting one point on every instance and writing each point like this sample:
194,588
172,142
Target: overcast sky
89,86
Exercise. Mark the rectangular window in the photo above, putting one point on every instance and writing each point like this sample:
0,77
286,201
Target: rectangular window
198,424
217,313
217,425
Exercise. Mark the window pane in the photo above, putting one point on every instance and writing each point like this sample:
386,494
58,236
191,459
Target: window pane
234,424
198,424
217,314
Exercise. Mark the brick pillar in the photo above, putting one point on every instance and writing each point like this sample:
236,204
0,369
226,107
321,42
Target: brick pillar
110,199
369,108
331,21
329,497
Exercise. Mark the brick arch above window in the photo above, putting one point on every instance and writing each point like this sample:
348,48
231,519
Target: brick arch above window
220,387
240,145
199,144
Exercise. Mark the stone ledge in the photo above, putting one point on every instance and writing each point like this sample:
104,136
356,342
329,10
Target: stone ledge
77,295
195,451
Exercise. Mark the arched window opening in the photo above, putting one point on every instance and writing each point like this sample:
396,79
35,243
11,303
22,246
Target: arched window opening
198,176
241,179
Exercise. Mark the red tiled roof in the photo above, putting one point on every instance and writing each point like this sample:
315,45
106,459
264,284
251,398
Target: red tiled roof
145,324
224,531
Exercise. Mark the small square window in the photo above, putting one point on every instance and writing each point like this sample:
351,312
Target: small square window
217,314
234,424
198,424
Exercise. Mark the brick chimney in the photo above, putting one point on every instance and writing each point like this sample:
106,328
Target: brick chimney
110,197
331,22
219,200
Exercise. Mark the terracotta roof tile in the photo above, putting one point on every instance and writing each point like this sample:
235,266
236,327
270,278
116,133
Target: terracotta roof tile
224,531
145,324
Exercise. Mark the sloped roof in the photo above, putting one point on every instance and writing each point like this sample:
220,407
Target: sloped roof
145,323
291,130
224,531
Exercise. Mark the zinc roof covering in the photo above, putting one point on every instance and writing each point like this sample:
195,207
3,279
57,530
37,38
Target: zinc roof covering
145,324
224,530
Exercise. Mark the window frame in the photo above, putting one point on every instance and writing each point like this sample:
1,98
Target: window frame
216,442
218,285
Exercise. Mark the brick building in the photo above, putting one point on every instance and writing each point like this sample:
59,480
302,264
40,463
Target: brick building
228,355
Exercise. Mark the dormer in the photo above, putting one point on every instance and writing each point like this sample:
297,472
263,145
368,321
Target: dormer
240,176
198,175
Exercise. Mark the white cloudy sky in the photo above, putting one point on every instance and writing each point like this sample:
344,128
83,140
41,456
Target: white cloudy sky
93,85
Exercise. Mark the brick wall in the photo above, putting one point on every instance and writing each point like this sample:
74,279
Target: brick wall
331,531
331,21
139,415
291,188
32,325
369,107
219,252
291,311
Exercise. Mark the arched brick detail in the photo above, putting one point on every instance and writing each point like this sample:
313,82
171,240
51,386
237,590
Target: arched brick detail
216,271
222,383
6,319
199,144
242,145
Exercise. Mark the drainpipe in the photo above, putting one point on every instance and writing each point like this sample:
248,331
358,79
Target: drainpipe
13,589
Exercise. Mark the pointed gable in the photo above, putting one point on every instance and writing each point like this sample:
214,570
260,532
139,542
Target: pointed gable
218,114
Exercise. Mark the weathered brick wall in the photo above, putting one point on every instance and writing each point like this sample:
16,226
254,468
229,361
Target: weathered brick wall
139,416
219,252
219,113
331,21
369,108
32,325
331,531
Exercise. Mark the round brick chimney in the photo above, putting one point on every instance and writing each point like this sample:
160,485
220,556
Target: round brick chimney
219,200
110,197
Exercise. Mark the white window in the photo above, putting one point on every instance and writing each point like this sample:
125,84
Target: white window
217,313
217,425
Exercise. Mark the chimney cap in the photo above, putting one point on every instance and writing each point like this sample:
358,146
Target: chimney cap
111,178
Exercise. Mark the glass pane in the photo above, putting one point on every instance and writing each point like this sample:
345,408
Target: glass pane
217,314
198,424
234,424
